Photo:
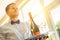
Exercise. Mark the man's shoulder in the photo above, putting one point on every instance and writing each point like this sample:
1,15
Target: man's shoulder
5,24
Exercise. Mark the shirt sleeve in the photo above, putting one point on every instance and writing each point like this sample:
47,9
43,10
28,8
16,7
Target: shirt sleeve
7,34
1,34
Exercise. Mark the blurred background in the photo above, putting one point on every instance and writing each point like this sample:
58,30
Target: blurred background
46,14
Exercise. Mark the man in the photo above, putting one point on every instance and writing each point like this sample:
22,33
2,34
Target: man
14,29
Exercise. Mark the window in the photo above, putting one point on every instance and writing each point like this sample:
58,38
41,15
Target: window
56,18
35,8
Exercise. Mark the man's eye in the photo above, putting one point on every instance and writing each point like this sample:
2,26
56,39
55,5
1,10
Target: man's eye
13,8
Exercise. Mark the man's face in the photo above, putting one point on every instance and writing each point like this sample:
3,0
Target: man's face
12,11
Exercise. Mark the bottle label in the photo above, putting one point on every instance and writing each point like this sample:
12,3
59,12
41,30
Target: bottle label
36,33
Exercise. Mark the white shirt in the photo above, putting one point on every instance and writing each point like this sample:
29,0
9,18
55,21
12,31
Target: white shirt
14,31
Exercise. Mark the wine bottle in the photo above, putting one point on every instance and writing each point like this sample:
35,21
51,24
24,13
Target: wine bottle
34,29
